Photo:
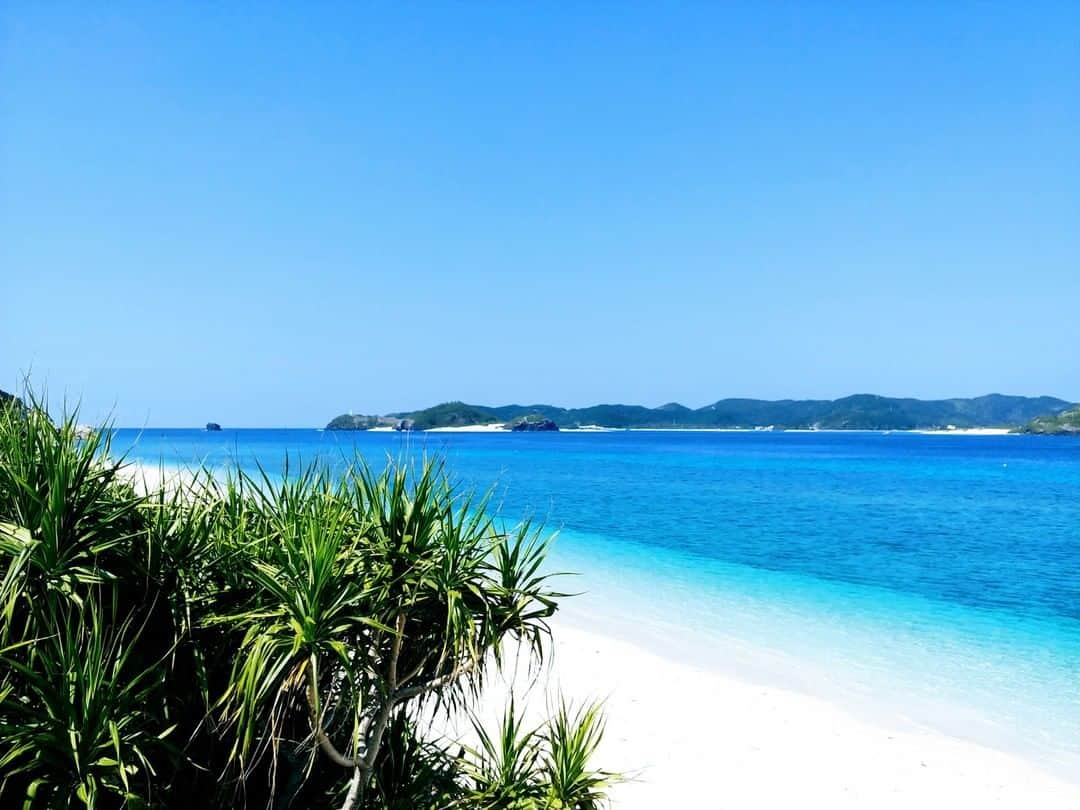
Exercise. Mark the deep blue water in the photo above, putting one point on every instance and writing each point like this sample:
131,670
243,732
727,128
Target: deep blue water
938,575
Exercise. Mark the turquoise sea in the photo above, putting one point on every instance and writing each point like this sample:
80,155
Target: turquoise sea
925,580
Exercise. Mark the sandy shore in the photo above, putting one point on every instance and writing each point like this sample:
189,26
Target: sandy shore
499,428
693,738
969,432
148,478
496,427
698,739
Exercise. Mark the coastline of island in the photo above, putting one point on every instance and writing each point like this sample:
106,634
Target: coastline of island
992,414
500,428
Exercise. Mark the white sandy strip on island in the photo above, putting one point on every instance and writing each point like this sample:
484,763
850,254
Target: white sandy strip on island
969,432
500,427
494,427
699,739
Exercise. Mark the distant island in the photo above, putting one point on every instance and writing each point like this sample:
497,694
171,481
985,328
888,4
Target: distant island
857,412
213,427
1061,424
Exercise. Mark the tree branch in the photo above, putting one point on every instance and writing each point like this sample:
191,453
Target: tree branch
316,722
417,670
373,740
354,790
374,728
395,651
436,683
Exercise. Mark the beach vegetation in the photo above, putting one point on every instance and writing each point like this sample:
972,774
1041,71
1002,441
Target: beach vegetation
265,641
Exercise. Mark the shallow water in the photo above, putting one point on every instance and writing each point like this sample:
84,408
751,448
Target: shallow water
931,578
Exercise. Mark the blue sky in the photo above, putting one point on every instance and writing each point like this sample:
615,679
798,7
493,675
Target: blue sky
267,215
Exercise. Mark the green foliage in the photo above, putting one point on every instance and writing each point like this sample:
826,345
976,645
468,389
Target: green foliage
449,414
412,773
531,423
572,739
9,400
1063,424
248,640
349,421
73,508
505,767
522,768
78,718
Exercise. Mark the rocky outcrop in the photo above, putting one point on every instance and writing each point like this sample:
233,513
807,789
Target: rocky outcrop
353,421
534,424
1066,423
212,427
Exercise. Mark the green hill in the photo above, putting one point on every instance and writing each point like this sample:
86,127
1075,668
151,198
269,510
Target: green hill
7,399
449,414
857,412
1064,423
349,421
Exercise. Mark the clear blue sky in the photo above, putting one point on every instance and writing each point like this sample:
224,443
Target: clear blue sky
269,215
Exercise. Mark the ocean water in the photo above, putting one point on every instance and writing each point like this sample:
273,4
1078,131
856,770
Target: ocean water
927,580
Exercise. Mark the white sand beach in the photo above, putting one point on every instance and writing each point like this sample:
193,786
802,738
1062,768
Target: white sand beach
696,738
969,432
693,738
146,478
699,739
495,427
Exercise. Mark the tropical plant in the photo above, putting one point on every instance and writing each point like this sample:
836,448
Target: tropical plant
572,738
504,768
541,768
265,640
79,719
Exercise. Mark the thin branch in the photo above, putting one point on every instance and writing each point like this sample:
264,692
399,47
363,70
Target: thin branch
443,680
375,726
374,740
417,670
354,790
395,651
316,723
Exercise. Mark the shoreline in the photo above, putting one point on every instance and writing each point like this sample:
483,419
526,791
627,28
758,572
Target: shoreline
685,733
688,729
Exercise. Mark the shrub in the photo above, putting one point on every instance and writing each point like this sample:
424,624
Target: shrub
262,641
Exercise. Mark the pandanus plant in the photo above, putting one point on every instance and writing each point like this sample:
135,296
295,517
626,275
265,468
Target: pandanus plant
254,638
370,594
84,709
